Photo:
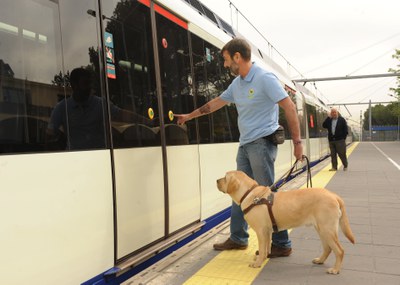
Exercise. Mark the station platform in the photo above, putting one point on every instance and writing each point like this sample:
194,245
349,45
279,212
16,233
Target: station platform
371,191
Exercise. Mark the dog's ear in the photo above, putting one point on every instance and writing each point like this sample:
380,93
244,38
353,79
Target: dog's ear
233,183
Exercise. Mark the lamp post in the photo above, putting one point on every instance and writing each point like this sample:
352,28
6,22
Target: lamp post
361,127
398,115
398,119
370,121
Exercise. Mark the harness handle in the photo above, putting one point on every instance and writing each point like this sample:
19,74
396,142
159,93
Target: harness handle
308,171
274,187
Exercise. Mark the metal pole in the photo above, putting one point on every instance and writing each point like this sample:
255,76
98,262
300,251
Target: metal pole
398,118
361,130
359,103
347,77
370,121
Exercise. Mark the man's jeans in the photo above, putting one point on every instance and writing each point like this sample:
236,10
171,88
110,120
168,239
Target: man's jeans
256,159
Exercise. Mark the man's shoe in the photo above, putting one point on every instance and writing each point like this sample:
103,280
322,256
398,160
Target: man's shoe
344,168
229,245
279,251
333,169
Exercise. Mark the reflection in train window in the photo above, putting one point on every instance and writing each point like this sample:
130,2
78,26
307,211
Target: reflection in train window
35,75
176,81
78,119
131,74
300,104
211,79
312,126
321,116
26,90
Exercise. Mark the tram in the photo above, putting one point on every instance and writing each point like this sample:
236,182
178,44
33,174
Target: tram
90,209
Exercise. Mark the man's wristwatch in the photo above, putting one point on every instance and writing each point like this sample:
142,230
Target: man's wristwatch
296,142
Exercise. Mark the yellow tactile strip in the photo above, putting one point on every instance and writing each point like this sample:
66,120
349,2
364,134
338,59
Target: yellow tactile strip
232,266
229,267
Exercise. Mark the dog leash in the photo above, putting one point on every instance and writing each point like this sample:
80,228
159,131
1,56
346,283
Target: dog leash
274,187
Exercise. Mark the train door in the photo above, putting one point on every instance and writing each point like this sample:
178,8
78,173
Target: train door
139,210
155,169
181,144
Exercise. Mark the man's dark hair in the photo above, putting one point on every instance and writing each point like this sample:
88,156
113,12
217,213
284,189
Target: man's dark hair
238,45
78,73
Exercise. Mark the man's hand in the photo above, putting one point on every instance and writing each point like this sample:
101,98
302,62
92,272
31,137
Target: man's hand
298,151
181,118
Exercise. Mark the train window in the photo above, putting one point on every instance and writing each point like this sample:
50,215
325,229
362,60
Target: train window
321,116
131,74
39,110
78,119
312,124
300,105
211,79
176,78
29,59
283,123
282,118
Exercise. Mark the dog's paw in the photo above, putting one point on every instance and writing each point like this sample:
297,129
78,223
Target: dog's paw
317,261
256,264
332,271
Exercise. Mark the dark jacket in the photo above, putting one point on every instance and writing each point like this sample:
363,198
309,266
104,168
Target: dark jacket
340,131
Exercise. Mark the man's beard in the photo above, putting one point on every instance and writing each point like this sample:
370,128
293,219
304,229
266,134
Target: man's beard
234,70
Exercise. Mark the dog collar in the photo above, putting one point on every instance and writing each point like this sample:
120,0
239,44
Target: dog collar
248,192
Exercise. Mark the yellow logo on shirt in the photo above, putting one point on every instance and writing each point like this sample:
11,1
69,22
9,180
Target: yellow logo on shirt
251,93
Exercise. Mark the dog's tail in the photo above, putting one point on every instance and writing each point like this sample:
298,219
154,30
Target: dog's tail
344,222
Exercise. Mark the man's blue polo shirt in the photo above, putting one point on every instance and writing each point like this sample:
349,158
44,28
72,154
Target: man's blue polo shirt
256,97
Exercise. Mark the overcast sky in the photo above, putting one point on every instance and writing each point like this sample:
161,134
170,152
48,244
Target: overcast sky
328,39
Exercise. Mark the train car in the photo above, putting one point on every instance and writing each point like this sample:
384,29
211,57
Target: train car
91,192
316,110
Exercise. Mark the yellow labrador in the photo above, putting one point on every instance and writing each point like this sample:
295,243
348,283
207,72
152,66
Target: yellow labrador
313,206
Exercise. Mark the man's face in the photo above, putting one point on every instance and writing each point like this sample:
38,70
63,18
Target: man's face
83,89
231,63
334,114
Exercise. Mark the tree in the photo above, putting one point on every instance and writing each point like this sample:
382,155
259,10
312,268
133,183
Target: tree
396,91
386,115
381,115
61,80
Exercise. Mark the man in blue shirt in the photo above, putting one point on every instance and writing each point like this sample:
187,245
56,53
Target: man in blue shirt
257,95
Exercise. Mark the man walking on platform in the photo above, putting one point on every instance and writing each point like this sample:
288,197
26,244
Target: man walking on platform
337,133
